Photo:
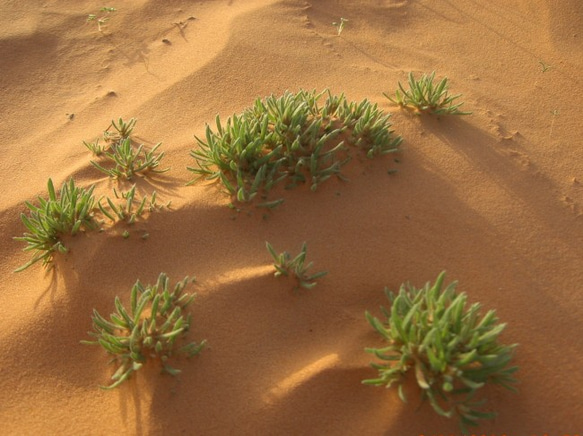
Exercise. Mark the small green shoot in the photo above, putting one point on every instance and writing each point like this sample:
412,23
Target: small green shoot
102,19
339,25
426,97
545,67
286,266
121,130
95,148
66,213
555,113
452,350
150,330
130,208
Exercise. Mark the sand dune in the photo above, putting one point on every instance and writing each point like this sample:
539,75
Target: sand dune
495,198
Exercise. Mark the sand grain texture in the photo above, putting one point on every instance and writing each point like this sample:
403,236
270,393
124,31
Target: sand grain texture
495,198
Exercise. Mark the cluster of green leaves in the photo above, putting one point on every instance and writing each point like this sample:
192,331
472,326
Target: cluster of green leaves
151,329
68,212
292,138
452,351
296,267
125,157
427,97
130,208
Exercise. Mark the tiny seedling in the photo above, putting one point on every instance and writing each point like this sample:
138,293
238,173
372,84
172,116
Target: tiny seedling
102,19
286,266
95,148
67,212
426,97
130,208
555,113
452,351
150,330
339,25
115,133
545,67
121,130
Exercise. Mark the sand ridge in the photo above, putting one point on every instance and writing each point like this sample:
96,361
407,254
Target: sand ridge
495,198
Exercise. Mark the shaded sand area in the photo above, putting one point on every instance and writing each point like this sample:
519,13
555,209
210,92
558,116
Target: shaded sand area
495,198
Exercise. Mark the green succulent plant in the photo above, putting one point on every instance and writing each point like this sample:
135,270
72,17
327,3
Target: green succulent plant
129,160
296,267
452,351
293,139
151,329
130,208
426,97
124,157
65,213
120,130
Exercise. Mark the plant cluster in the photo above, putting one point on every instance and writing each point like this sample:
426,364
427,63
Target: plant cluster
453,351
124,157
74,209
427,97
68,212
130,207
292,138
296,267
150,330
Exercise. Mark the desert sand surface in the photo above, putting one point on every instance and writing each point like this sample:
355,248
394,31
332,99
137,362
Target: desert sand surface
494,198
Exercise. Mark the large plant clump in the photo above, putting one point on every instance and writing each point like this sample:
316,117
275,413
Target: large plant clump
291,139
66,212
151,330
453,351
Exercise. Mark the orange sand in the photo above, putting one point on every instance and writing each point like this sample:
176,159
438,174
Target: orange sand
495,198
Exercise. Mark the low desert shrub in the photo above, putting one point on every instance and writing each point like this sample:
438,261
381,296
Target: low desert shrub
150,330
453,351
293,139
426,97
296,267
68,212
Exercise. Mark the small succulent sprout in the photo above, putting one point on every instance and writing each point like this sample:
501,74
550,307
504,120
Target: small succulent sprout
154,328
129,160
452,350
130,208
121,157
122,130
296,267
66,213
102,19
292,139
427,97
95,148
339,25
